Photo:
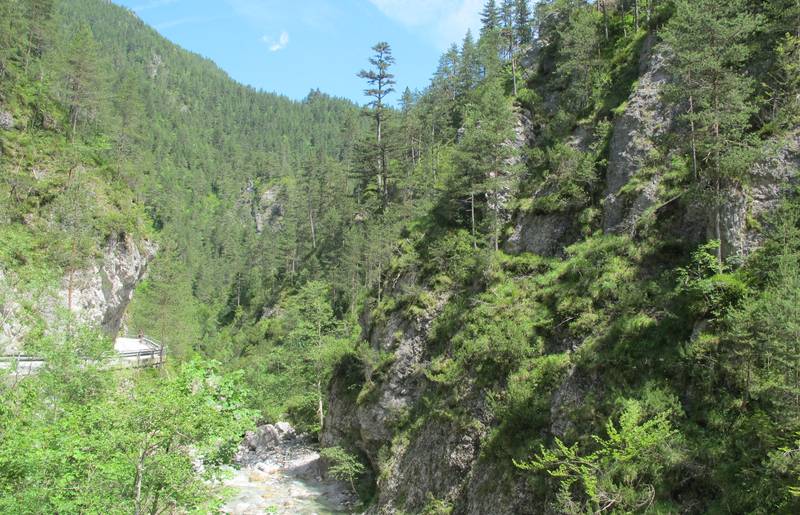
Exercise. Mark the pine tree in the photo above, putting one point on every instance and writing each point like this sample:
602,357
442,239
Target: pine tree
39,15
490,17
581,70
83,88
523,24
12,30
381,83
709,43
483,157
468,66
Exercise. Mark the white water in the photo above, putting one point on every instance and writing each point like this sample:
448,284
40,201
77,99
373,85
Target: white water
286,481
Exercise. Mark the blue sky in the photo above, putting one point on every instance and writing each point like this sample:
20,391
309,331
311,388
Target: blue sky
292,46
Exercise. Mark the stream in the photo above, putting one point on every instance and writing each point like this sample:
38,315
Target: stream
279,472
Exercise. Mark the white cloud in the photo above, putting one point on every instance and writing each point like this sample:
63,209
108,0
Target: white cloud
446,20
276,44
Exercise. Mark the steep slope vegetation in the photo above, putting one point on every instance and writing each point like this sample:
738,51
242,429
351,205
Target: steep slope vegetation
620,354
564,279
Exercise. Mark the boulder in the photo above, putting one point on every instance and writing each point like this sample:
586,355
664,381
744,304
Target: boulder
6,120
268,436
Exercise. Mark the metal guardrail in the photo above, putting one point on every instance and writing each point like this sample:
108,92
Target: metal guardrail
155,356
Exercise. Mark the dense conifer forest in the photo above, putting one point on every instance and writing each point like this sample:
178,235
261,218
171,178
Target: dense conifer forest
562,278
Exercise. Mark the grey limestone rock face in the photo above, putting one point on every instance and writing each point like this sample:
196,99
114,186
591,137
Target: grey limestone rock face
767,183
549,233
496,490
268,210
438,458
401,385
633,142
100,294
507,177
544,234
265,438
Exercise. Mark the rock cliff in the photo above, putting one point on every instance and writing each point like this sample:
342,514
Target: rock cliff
423,456
100,293
630,186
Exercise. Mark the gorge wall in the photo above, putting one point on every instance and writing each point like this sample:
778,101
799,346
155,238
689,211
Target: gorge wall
99,293
433,445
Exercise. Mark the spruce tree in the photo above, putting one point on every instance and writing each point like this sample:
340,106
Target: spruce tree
39,15
490,17
468,65
381,83
83,88
709,41
523,24
483,156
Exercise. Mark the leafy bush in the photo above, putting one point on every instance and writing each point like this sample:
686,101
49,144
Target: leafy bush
623,472
344,466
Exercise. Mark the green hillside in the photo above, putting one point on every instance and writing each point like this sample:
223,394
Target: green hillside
561,279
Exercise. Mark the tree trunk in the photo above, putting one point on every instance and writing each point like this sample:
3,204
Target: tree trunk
137,501
70,280
320,412
694,143
154,506
514,71
313,230
380,281
496,220
472,213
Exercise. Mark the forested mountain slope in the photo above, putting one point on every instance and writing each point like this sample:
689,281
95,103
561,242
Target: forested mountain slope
632,345
561,279
124,156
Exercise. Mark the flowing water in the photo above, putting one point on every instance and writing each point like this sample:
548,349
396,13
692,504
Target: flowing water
285,481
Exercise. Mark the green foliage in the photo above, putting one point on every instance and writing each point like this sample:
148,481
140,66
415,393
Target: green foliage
499,332
79,438
344,466
710,291
293,356
623,470
568,180
269,252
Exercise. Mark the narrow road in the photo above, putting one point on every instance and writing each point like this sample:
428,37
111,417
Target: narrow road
129,353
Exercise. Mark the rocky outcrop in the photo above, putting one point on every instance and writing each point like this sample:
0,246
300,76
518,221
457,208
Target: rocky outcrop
15,318
548,233
434,463
510,171
99,294
545,234
264,440
437,461
6,120
268,210
394,391
767,183
496,489
102,292
629,189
